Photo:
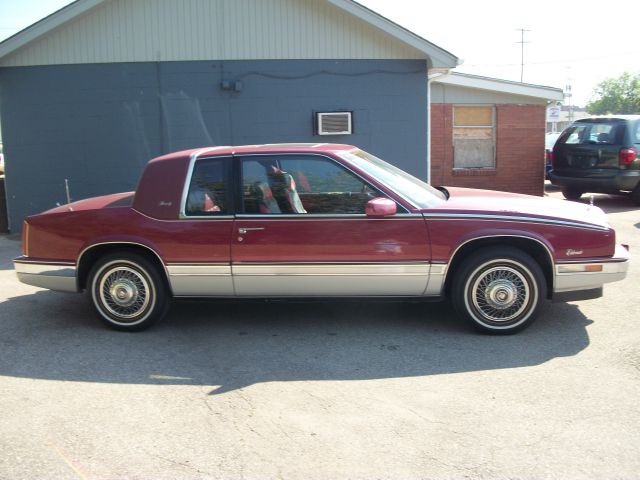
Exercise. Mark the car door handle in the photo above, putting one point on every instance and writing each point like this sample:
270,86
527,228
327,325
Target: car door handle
243,230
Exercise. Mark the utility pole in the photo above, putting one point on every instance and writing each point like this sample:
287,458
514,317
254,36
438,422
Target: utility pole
522,42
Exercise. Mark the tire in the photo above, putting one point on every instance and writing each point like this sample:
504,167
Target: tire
128,291
499,290
572,194
635,195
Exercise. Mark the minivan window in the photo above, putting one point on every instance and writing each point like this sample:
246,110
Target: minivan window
593,134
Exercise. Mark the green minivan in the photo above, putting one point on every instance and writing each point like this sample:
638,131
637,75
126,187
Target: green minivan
599,155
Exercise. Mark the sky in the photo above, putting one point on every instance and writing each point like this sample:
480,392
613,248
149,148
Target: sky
577,43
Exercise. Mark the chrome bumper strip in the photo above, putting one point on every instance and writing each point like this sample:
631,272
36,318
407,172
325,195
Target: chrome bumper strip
576,275
54,276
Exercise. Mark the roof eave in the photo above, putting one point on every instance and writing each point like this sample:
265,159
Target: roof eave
503,86
439,57
47,24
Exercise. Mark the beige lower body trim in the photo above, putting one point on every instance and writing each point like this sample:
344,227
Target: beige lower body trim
200,280
53,276
384,279
572,276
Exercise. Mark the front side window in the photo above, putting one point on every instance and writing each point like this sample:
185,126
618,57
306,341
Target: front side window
474,137
208,190
292,184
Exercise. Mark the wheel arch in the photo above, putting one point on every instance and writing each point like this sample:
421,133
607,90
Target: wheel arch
91,254
534,247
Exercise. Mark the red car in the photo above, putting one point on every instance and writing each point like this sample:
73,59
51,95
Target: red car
303,220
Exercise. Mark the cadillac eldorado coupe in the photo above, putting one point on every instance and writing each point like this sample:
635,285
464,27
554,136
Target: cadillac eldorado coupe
304,220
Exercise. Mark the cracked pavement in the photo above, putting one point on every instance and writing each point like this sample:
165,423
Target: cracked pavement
321,390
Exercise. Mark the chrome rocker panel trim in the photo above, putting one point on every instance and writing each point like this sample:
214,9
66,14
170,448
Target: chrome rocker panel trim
57,276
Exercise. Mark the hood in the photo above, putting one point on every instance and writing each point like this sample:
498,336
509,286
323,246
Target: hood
106,201
491,202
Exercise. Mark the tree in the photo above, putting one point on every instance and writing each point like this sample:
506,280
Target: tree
616,95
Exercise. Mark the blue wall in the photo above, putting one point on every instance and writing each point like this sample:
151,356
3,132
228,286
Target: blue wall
98,124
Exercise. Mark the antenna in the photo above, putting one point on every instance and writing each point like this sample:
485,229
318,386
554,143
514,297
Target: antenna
522,42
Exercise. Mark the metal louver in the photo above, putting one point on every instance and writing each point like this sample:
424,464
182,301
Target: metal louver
334,123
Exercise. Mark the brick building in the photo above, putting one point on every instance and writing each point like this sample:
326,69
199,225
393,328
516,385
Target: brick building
489,133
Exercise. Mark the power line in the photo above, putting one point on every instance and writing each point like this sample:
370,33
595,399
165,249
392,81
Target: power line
567,60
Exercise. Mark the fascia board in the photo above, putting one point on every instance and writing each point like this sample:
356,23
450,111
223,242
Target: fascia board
46,25
497,85
439,57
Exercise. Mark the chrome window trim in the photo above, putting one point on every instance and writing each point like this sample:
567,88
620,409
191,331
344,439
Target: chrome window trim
513,218
321,216
185,189
241,155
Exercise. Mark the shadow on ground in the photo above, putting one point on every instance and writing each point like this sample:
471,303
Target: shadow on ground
232,344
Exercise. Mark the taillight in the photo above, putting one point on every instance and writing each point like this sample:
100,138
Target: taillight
550,156
25,239
627,155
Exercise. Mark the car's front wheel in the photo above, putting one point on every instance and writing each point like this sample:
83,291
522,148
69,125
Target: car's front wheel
128,291
499,290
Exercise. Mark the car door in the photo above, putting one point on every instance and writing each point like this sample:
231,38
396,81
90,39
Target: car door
202,237
302,231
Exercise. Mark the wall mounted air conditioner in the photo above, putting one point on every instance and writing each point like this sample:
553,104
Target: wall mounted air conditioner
334,123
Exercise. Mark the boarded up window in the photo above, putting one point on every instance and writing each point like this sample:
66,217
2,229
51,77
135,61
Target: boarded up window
473,137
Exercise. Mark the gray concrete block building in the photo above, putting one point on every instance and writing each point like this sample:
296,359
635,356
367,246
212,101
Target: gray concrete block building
92,92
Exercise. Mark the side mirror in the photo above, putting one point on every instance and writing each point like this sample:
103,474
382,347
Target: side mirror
380,207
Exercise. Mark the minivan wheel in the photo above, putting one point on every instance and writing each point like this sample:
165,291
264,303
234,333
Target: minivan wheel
499,290
572,194
127,291
635,195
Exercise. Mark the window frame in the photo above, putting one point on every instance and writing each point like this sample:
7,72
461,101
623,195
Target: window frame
493,127
229,190
402,209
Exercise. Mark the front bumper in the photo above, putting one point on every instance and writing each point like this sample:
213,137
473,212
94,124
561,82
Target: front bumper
52,275
573,276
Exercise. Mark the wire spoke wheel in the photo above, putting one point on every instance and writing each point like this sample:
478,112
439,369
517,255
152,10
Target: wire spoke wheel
499,290
128,291
124,292
500,294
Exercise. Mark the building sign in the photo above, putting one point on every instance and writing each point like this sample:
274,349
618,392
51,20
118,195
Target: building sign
553,113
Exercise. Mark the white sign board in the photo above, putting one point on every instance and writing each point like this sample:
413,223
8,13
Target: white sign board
553,114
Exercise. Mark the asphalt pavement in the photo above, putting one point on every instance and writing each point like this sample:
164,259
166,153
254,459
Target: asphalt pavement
320,390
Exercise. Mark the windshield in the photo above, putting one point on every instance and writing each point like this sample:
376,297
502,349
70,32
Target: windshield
417,192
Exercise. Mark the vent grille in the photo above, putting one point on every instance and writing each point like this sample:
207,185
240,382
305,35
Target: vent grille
335,123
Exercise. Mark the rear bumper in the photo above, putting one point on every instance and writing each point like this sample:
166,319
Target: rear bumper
625,180
52,275
590,275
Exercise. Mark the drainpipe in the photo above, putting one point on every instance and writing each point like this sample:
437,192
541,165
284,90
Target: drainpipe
432,74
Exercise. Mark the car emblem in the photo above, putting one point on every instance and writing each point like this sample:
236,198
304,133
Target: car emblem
165,204
571,252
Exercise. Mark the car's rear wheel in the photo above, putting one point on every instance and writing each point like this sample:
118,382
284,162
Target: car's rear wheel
635,195
128,292
499,290
572,194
